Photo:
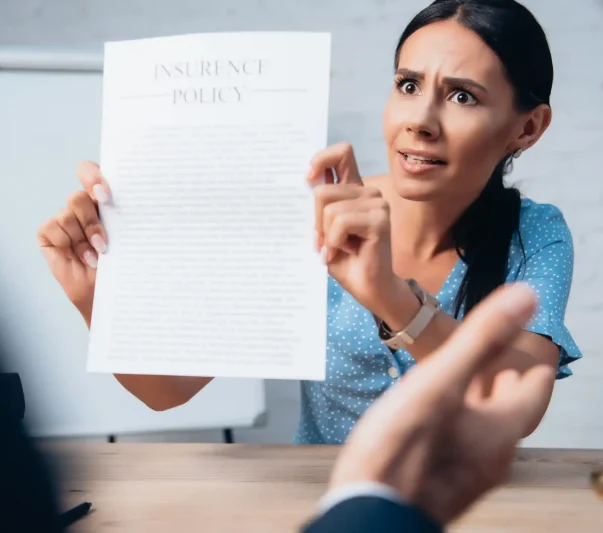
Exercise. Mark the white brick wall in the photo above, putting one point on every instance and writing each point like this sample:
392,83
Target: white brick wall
564,169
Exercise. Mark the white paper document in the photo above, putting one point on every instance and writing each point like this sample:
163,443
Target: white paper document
210,268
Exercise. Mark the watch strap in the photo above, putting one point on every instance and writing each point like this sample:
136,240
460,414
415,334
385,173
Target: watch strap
408,336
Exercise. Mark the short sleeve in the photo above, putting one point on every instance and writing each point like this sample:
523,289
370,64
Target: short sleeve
548,269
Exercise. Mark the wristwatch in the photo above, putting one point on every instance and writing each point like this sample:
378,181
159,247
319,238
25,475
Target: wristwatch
401,339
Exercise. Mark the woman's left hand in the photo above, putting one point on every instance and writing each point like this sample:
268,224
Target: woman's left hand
353,229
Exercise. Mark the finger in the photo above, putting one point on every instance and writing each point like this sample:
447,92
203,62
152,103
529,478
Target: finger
349,222
492,444
400,416
360,204
340,158
51,235
487,331
504,381
70,225
93,182
520,402
325,195
85,211
326,178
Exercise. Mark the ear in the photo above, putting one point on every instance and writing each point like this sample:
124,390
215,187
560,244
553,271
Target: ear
534,124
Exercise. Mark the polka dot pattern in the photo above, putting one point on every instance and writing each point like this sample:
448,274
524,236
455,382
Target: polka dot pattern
360,367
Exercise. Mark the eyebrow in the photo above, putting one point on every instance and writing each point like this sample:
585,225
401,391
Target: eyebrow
419,76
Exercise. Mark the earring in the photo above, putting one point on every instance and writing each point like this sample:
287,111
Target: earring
517,153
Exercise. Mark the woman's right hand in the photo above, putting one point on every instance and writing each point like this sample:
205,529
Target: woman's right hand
72,240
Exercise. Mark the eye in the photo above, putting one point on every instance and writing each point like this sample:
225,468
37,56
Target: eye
407,86
463,97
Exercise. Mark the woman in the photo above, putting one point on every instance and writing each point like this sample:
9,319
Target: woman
471,92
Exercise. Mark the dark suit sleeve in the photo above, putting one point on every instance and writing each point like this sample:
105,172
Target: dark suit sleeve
369,514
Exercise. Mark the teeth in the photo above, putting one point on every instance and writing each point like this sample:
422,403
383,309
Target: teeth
419,158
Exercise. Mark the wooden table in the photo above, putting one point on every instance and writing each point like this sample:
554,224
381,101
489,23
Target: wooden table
202,488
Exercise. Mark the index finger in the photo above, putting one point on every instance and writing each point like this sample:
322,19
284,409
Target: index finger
89,174
488,330
339,158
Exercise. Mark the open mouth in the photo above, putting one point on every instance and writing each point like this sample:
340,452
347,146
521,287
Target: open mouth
420,160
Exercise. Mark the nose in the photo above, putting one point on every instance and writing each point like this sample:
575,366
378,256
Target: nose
423,122
421,130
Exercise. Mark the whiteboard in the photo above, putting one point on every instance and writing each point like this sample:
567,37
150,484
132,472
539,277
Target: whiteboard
50,119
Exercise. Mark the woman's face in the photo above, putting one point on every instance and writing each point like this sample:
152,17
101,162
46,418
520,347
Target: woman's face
451,103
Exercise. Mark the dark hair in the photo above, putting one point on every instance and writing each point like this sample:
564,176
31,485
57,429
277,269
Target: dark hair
483,233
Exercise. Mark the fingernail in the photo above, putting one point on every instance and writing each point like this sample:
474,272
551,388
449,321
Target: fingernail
323,254
100,194
309,178
98,243
318,181
90,259
316,241
327,254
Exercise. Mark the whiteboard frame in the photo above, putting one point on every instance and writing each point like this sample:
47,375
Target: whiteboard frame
22,58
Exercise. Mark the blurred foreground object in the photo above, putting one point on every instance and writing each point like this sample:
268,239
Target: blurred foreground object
12,407
28,496
596,480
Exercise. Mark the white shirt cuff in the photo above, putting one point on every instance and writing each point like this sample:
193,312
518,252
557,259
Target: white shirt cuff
368,488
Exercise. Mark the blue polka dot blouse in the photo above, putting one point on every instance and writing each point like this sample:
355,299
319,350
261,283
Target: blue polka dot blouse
360,367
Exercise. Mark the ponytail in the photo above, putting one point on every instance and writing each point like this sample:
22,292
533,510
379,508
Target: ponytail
482,237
